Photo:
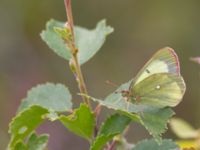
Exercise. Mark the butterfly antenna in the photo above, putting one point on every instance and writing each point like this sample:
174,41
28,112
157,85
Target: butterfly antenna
115,85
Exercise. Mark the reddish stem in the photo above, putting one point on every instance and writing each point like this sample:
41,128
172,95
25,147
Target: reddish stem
112,145
70,17
74,51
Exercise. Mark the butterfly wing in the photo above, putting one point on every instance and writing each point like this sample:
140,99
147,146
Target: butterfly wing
164,60
160,89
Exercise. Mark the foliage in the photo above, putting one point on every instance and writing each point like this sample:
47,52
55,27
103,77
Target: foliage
54,102
152,145
34,143
81,121
189,138
50,96
113,126
88,42
152,118
25,122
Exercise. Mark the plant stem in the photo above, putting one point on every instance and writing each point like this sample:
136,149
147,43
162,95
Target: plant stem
112,145
97,112
74,51
70,18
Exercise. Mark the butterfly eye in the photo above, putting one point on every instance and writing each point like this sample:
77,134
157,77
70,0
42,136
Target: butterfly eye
158,87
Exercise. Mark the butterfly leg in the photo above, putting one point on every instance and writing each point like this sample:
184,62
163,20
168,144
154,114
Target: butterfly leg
127,103
125,94
127,106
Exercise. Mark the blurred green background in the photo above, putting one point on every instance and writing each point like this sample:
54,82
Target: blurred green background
141,28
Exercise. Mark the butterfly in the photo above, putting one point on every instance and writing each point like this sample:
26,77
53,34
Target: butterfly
159,83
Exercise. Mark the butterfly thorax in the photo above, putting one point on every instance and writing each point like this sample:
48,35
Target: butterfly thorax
130,97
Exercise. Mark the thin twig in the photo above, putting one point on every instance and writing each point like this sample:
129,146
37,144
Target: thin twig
97,112
112,145
74,51
70,17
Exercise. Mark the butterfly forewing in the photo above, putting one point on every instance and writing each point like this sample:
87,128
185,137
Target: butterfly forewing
163,61
161,90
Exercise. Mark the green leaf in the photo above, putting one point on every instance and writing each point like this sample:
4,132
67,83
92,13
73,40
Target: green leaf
178,126
19,146
54,97
34,143
153,145
81,122
117,102
101,140
154,119
37,142
25,122
54,41
124,145
113,126
88,42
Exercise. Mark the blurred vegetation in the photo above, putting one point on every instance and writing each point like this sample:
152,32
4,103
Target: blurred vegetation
141,28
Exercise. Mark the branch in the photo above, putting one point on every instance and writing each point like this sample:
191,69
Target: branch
74,60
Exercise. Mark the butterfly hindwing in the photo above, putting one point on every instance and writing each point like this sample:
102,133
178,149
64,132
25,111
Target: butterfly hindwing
160,89
164,60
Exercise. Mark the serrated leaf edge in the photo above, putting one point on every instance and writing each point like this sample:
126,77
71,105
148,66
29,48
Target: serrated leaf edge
163,130
21,113
75,113
146,140
101,136
46,84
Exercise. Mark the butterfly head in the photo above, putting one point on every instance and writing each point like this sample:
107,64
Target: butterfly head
125,93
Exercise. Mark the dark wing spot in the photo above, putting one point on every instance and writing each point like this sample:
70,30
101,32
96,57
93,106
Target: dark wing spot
148,71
